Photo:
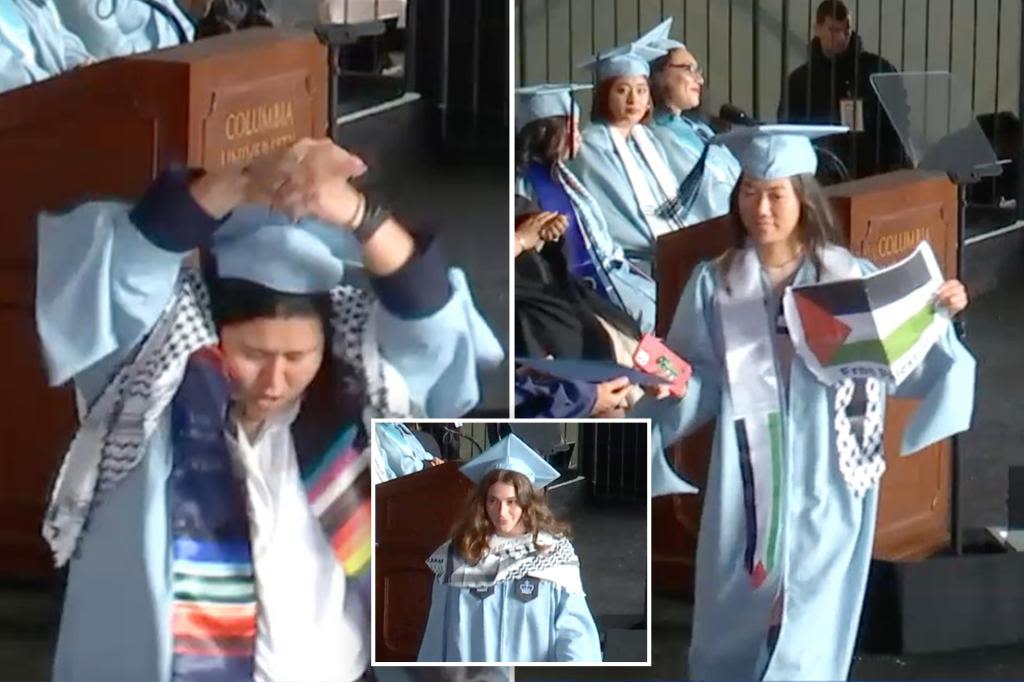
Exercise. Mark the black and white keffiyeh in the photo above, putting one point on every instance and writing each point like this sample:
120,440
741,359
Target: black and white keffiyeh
861,460
115,430
549,558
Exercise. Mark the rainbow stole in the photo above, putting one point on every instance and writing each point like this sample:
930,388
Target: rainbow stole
214,608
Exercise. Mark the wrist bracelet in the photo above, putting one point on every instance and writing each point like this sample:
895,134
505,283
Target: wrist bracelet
373,218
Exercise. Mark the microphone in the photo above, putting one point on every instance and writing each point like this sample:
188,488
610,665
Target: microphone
733,114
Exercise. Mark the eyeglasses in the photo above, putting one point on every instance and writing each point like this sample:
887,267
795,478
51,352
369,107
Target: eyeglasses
692,69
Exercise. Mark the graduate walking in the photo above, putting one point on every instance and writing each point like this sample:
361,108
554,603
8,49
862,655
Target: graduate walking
792,488
507,586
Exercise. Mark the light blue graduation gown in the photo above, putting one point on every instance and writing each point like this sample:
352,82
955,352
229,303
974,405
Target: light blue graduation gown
113,28
400,451
34,43
101,286
684,142
597,165
634,292
826,532
555,625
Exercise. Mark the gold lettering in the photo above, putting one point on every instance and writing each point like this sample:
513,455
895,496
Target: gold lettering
248,152
899,243
259,119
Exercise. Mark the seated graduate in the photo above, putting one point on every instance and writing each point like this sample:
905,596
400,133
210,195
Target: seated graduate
114,29
35,44
397,452
791,497
213,508
557,315
677,84
507,585
547,125
621,163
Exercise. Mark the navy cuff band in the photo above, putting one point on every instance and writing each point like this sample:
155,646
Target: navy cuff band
168,215
420,287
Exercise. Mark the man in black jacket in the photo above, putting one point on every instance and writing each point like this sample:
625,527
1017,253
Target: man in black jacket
834,87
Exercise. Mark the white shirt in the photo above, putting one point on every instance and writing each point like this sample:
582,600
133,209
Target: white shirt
309,626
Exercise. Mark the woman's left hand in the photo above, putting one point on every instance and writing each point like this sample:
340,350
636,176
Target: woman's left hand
952,296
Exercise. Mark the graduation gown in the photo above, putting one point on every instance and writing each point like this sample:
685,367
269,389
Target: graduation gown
618,280
826,532
35,44
684,139
101,286
598,166
397,452
126,27
529,619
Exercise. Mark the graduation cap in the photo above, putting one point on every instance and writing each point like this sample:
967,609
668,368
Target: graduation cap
535,102
770,152
632,59
267,248
510,454
658,39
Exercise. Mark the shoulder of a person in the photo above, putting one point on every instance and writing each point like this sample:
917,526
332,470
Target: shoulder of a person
877,62
594,133
800,71
865,265
547,539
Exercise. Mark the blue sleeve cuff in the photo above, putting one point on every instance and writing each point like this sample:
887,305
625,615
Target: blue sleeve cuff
168,215
419,288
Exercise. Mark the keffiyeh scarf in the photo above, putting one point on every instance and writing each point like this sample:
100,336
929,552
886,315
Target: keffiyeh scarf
179,368
548,558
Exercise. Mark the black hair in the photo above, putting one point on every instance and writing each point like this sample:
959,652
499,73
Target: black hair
542,141
235,300
834,9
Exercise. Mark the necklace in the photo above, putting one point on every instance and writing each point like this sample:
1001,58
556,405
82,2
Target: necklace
783,264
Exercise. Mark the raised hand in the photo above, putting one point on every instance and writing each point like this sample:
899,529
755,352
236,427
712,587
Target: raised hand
310,179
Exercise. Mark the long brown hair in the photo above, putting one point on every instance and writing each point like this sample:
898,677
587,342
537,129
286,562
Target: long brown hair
472,533
815,227
599,110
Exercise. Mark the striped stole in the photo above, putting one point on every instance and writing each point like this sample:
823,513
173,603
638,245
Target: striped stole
214,607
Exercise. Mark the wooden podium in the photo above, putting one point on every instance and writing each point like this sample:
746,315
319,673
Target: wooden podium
414,515
883,219
105,131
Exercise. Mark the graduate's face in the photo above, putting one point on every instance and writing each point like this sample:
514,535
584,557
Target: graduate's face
629,98
503,509
682,80
769,209
271,360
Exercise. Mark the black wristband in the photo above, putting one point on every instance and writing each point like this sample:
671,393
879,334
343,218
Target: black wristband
373,218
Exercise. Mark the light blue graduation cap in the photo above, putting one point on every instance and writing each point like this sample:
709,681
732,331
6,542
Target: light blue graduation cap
658,39
261,246
510,454
628,60
770,152
535,102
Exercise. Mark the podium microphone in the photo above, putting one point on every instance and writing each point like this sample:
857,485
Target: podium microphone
733,114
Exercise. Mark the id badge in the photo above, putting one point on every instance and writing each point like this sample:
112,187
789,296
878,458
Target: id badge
852,113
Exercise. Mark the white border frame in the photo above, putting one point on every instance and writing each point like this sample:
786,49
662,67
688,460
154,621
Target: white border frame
543,664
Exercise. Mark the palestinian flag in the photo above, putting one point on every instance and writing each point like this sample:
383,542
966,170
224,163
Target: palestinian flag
879,325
